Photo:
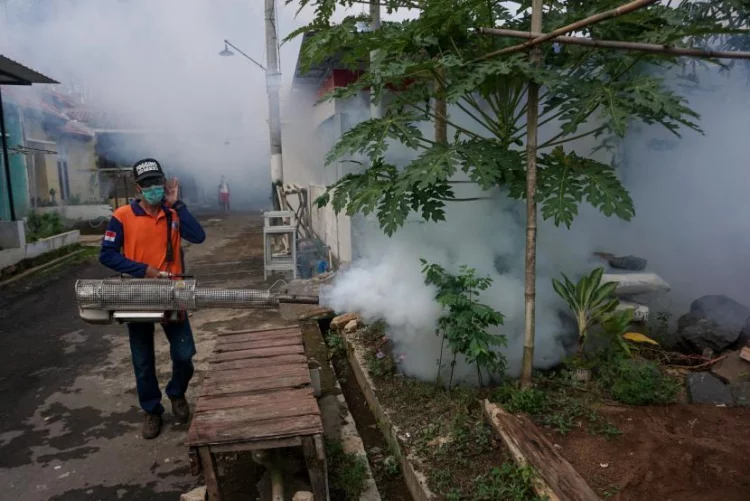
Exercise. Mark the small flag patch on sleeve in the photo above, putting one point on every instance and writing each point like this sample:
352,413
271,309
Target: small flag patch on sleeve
109,236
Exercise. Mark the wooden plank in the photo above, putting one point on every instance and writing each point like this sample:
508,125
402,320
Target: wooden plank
210,474
257,372
289,327
257,445
253,386
256,362
556,478
315,458
745,354
258,353
260,336
252,345
213,403
261,411
200,435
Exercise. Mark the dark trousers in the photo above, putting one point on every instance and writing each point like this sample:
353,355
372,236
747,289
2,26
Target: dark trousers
181,350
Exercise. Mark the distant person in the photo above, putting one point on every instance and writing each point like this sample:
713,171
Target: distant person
224,195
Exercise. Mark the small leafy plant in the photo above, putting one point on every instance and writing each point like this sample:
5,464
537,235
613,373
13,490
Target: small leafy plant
638,382
590,301
466,321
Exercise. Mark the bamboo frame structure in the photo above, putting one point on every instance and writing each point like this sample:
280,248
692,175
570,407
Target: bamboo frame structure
614,44
536,37
596,18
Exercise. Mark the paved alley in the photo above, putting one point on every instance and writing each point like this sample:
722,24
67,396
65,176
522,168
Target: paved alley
69,418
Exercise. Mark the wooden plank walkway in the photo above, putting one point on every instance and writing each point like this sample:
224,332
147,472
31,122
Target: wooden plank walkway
257,395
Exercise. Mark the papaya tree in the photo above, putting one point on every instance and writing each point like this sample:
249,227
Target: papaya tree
439,56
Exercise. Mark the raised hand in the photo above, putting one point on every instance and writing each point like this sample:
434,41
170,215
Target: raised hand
172,190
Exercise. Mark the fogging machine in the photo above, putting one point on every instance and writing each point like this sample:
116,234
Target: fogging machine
156,300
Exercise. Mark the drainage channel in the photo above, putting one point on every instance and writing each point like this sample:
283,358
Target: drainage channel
390,485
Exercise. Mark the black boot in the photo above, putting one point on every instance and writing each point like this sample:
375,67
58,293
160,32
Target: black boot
151,426
180,409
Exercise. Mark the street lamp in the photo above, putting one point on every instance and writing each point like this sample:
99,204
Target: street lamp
226,52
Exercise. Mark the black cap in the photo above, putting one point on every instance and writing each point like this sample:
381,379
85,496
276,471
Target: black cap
146,169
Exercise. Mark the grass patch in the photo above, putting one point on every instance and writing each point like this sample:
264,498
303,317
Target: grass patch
45,225
509,482
638,382
347,472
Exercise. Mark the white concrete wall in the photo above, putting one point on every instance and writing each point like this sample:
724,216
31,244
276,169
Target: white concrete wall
48,244
12,234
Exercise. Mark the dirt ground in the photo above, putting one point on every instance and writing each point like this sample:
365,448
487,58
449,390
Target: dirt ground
669,453
69,416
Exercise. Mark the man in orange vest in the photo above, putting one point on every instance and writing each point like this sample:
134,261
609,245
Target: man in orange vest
143,240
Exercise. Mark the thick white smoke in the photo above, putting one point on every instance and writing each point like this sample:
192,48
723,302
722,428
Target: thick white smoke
689,196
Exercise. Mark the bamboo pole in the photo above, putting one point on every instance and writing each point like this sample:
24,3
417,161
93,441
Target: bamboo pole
596,18
612,44
532,120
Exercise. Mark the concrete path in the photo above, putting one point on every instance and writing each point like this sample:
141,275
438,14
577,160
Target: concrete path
69,418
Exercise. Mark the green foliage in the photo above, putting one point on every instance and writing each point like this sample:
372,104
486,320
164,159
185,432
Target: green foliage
347,472
509,482
638,382
43,225
531,401
382,367
590,301
596,93
465,320
335,343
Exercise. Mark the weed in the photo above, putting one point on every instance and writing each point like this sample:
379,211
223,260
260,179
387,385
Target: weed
509,482
610,491
391,468
600,426
531,401
336,345
347,472
380,367
638,382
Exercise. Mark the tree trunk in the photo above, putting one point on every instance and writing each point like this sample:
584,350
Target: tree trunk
531,141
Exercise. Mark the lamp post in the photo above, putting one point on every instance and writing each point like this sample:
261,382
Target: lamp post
273,82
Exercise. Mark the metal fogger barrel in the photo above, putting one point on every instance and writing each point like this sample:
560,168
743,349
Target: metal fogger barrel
160,300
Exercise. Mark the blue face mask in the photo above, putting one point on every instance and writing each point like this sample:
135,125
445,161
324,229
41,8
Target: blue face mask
153,195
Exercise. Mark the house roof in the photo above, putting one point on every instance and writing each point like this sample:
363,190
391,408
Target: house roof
13,73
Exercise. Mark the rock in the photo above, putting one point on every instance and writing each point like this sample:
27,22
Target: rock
303,496
703,388
741,394
713,322
695,334
351,326
630,263
744,339
198,494
722,310
339,322
636,283
732,369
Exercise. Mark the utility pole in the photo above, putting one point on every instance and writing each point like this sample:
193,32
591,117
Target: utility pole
376,110
273,82
532,119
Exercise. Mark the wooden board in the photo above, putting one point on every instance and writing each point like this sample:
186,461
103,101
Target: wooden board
556,478
265,332
249,373
228,402
255,386
257,336
251,345
257,390
257,362
259,353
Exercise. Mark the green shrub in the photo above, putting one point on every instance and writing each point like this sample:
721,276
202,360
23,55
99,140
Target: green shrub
531,401
43,226
638,382
347,473
507,483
